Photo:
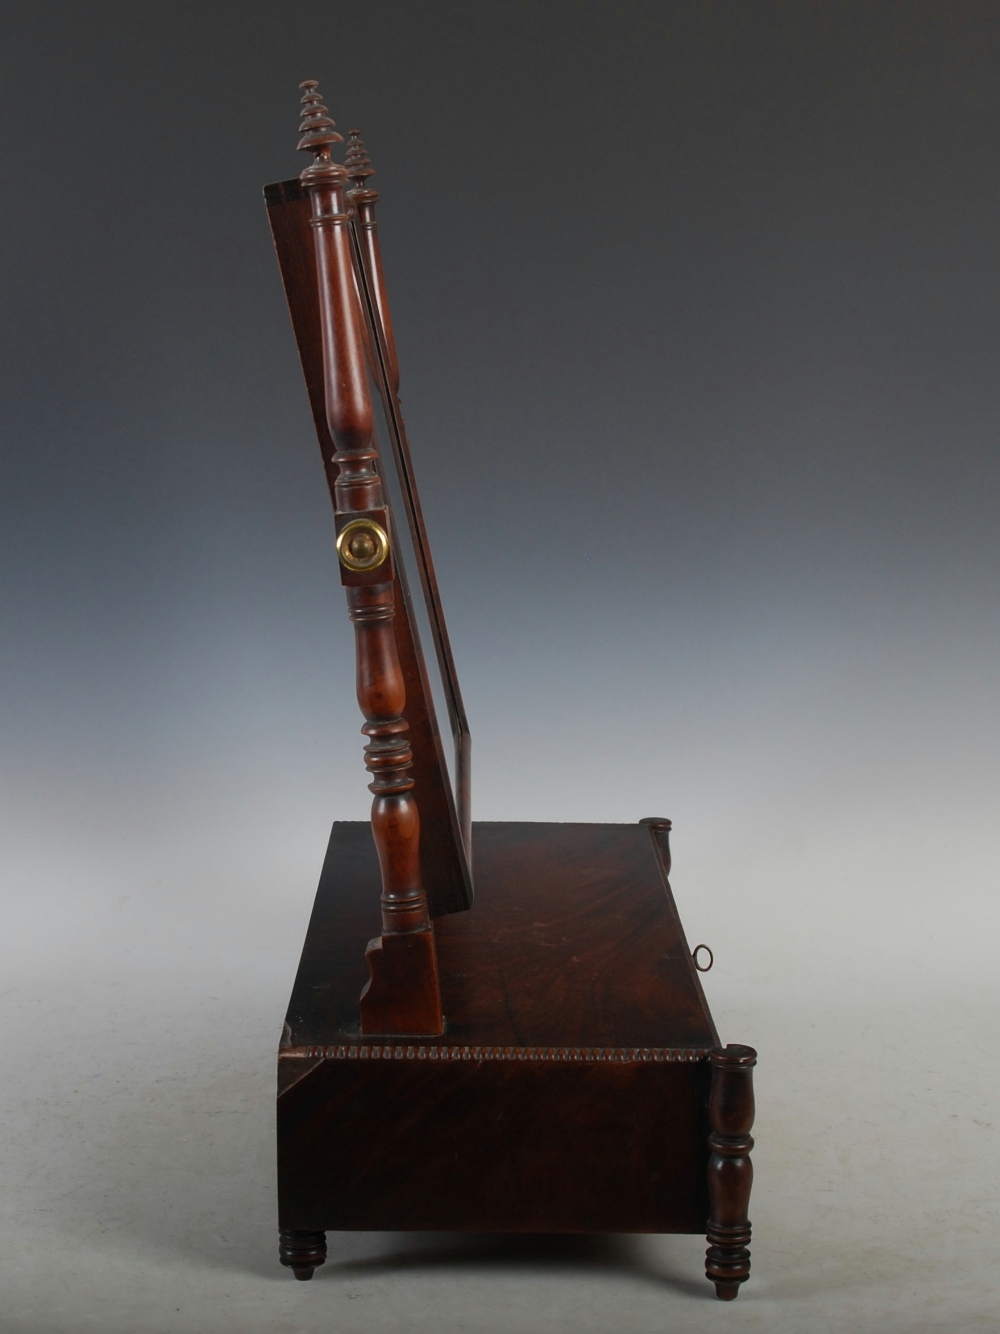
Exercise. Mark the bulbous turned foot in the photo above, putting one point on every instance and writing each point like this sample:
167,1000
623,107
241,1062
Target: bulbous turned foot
727,1292
727,1263
301,1252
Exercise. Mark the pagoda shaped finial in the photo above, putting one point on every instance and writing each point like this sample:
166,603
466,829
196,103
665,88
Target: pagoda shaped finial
356,160
317,129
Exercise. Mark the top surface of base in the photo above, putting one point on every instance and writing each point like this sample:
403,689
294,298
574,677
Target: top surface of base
574,940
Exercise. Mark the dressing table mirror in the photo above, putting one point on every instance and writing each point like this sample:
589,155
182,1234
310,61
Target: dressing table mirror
495,1027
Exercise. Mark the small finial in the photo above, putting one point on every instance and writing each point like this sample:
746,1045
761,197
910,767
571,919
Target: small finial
317,128
356,160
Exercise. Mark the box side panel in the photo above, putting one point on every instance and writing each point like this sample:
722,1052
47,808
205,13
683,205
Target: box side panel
495,1146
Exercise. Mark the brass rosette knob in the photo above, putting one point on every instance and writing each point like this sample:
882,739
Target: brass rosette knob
362,545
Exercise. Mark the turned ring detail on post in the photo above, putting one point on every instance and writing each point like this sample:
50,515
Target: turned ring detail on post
362,545
711,958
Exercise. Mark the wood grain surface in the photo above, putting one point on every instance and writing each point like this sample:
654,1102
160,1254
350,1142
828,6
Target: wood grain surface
574,942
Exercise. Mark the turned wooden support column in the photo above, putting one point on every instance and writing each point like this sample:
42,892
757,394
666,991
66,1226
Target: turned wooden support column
359,168
363,199
403,995
730,1171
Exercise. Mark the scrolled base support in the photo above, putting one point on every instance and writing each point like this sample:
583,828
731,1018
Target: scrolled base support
403,995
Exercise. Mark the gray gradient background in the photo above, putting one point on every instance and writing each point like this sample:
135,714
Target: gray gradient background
698,316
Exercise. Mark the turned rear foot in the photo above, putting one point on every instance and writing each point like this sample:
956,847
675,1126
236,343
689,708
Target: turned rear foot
301,1252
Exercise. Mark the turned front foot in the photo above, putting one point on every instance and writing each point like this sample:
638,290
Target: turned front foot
730,1171
301,1252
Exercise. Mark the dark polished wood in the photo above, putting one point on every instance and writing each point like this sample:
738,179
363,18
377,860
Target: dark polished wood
574,942
569,1091
373,287
359,169
445,871
301,1252
730,1171
548,1062
404,989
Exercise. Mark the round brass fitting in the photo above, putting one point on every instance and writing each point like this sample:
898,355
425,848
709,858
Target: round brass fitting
362,545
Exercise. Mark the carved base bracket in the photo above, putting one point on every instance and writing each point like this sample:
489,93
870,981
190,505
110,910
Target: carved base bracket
403,996
730,1171
301,1252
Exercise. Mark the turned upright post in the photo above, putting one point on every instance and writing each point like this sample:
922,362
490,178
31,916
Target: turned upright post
363,199
730,1171
403,995
359,169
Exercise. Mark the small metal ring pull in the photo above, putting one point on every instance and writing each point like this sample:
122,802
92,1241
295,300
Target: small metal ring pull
362,545
694,957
